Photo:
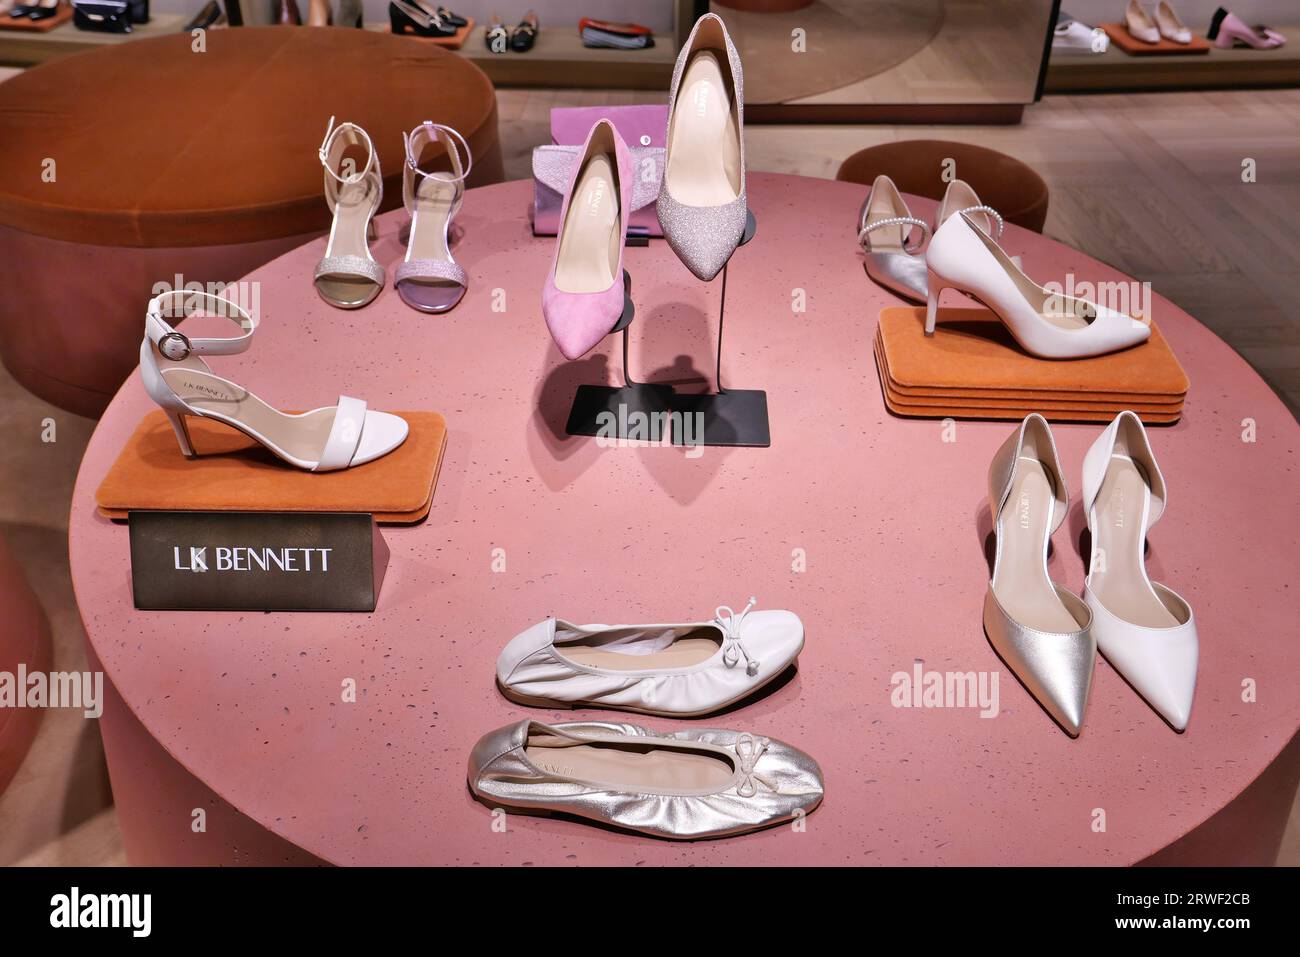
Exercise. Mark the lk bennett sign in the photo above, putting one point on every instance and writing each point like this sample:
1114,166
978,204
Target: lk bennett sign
256,561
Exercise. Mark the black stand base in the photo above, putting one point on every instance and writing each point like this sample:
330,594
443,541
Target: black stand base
735,418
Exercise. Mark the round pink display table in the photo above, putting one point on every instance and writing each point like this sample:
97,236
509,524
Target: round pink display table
244,713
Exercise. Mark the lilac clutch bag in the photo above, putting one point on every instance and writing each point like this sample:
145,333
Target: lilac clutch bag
643,128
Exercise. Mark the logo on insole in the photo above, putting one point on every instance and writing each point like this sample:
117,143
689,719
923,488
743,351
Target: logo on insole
595,196
1022,509
211,392
563,770
700,98
1118,507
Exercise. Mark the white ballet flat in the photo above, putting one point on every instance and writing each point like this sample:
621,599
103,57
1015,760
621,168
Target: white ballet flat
693,668
322,440
1144,629
1049,325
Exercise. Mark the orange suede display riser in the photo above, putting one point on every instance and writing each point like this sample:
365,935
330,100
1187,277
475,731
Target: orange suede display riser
971,352
234,473
1012,408
972,368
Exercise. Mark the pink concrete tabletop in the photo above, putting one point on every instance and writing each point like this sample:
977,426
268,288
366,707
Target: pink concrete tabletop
890,518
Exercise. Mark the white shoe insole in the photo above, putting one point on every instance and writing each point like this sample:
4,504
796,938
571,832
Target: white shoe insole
631,766
1118,573
589,248
1021,582
352,211
685,652
704,141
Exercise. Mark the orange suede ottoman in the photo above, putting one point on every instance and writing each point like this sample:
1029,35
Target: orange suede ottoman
127,166
916,166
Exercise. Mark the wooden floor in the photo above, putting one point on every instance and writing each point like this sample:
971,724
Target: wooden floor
1150,183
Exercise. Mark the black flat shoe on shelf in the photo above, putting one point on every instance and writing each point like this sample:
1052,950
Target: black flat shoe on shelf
35,11
408,18
209,15
451,18
111,16
525,35
495,36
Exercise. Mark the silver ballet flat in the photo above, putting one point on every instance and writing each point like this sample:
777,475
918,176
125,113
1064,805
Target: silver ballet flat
889,237
702,200
1042,631
685,785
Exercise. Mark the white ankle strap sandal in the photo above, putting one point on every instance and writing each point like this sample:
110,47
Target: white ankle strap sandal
177,378
348,276
429,279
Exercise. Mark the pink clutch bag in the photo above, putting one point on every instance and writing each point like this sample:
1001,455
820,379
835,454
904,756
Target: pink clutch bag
643,128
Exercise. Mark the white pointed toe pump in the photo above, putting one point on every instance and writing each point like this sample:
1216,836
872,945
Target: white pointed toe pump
348,276
1040,629
702,202
177,378
1049,325
1143,628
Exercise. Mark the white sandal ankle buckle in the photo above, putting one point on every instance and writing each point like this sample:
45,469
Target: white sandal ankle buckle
179,337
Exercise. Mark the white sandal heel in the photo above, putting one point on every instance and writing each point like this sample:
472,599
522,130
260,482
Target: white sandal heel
321,440
348,276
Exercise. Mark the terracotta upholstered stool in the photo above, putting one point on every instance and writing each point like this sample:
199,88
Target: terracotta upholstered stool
1003,182
123,167
24,639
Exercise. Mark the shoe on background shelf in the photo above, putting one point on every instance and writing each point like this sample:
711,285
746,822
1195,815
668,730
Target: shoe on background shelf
429,279
702,202
1139,23
1073,37
404,17
1171,28
1229,30
524,35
